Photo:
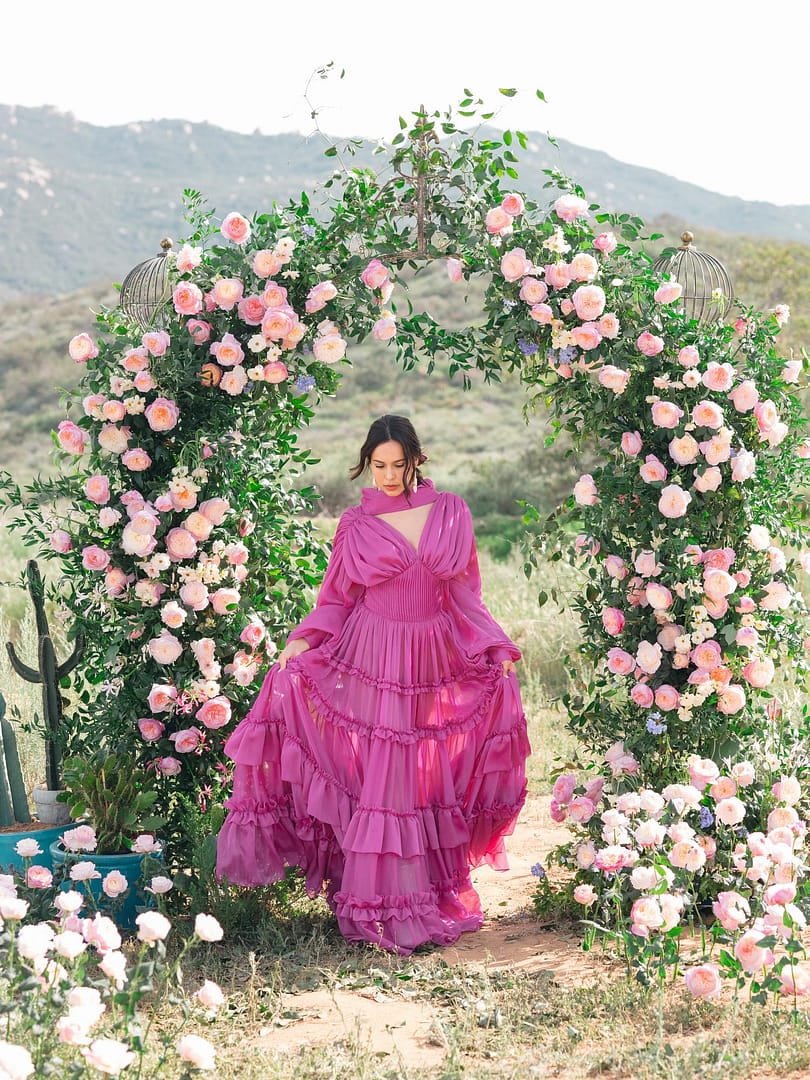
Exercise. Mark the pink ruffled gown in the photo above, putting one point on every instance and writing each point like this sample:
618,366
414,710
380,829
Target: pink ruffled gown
390,757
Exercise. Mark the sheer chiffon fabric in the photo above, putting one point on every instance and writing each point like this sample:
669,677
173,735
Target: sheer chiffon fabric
390,757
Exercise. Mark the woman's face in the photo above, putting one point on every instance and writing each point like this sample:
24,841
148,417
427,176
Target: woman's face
388,463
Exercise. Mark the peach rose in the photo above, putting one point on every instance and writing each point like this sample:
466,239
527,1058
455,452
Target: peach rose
688,356
228,351
648,657
658,596
227,292
668,292
744,396
752,956
731,700
777,596
165,648
642,695
236,228
234,381
709,480
667,697
223,599
329,349
587,337
319,296
666,414
144,382
703,982
541,313
718,376
558,275
584,267
187,298
251,310
71,438
162,414
759,673
649,344
570,207
674,501
266,263
652,471
115,581
113,411
82,348
707,414
275,372
684,450
136,459
375,275
589,302
533,291
156,342
513,204
515,265
135,359
498,222
216,509
180,544
718,583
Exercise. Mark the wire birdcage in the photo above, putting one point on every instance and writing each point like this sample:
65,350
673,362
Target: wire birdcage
145,290
707,289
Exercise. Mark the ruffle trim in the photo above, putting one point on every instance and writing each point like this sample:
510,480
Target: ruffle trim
405,689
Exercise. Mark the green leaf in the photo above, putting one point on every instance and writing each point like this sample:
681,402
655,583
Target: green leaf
540,94
507,91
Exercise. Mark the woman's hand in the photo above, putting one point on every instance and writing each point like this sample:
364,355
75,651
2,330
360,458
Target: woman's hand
508,668
291,649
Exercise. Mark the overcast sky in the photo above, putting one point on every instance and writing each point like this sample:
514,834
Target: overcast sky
710,91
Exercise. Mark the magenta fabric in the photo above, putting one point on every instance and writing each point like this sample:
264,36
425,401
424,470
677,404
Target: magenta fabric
390,757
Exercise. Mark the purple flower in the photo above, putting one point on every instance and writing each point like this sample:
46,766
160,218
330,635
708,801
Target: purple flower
308,230
528,348
538,871
653,726
706,817
305,383
568,354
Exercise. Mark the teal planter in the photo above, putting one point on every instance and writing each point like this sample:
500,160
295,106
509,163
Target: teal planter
11,861
123,909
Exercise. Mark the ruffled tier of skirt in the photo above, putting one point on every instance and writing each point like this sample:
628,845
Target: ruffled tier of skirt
385,779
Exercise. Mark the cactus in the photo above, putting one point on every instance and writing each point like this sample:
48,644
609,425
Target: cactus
49,673
13,802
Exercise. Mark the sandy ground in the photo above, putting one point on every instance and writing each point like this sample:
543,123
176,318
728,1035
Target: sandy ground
511,938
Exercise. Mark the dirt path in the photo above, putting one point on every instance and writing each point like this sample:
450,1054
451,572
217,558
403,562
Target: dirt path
511,938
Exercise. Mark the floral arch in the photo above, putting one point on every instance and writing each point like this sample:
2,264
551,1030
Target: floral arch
182,547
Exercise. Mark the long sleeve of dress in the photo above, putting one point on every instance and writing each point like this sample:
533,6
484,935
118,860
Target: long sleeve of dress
479,631
336,599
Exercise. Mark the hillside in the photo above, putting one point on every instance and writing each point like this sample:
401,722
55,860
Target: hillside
81,204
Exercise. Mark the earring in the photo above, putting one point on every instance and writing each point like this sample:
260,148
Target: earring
415,485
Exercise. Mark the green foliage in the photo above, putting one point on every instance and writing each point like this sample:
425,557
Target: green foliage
13,800
111,789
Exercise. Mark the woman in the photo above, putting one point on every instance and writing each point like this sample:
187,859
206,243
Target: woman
385,752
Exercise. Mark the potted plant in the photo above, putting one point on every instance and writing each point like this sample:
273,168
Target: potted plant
111,797
49,673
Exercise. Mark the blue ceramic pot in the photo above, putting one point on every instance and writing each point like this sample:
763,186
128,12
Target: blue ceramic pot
10,860
124,908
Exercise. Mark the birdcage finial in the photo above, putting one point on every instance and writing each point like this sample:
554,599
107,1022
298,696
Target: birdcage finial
707,289
145,290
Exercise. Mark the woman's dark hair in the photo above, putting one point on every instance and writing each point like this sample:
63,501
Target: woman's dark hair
391,428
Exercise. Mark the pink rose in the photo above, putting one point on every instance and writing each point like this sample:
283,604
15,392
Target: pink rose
581,809
188,258
688,356
782,314
709,480
71,438
97,489
135,359
187,298
608,325
375,275
631,443
648,657
329,349
605,242
136,459
652,471
752,956
498,221
236,228
144,382
612,858
584,267
718,583
570,207
666,414
759,673
658,596
515,265
233,382
156,342
168,766
703,982
707,414
585,895
165,648
455,269
649,344
115,581
791,371
180,544
718,376
513,204
251,310
266,263
744,466
620,662
674,501
587,337
200,330
642,695
162,414
563,788
616,568
60,541
215,713
731,699
150,729
684,450
319,296
186,740
589,302
384,329
82,348
613,621
223,599
744,396
777,596
114,411
718,558
766,414
558,275
707,655
275,372
162,697
730,811
533,291
667,697
95,558
668,292
216,510
228,351
585,492
542,314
